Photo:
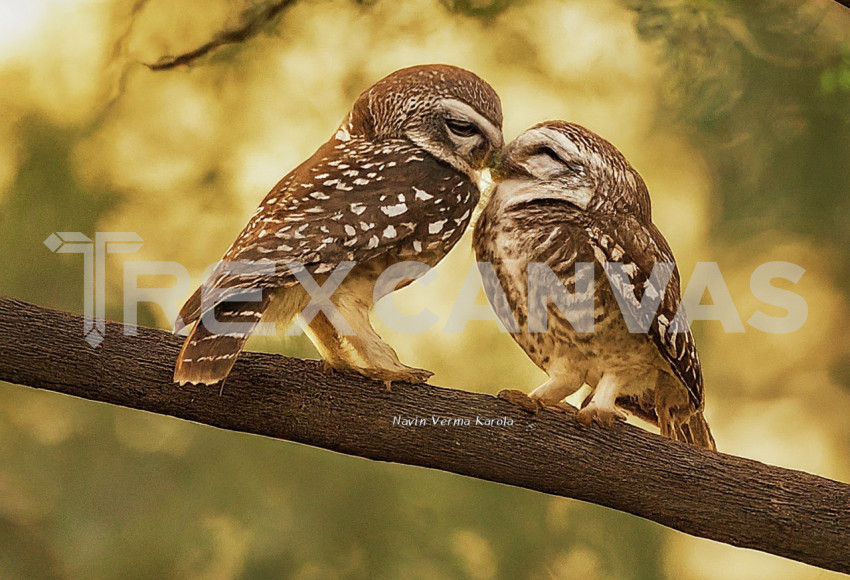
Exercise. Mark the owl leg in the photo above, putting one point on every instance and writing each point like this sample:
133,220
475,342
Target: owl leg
601,408
550,394
365,352
329,343
555,390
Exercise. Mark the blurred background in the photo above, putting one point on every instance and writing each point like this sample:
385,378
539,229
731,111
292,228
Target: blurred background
736,113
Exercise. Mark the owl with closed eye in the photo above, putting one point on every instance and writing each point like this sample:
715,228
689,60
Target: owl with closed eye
396,182
588,283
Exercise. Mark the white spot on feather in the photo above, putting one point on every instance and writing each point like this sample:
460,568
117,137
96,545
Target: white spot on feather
436,227
394,210
422,195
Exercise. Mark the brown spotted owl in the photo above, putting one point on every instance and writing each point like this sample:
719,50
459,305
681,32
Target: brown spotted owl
588,284
396,182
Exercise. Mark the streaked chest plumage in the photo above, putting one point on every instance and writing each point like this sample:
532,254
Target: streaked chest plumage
513,240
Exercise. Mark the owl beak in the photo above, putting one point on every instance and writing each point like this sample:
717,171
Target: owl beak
494,158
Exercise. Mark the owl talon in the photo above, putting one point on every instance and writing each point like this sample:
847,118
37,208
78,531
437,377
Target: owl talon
390,376
603,417
519,399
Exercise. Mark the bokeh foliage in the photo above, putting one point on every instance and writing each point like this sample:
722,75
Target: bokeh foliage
736,113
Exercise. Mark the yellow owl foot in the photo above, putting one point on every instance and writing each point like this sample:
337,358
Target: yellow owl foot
603,416
519,399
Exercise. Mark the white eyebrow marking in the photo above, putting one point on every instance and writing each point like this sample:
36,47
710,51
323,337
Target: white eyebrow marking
464,111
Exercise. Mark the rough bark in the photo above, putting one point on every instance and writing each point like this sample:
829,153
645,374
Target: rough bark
712,495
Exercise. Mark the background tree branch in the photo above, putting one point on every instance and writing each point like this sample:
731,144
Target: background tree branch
252,21
255,18
712,495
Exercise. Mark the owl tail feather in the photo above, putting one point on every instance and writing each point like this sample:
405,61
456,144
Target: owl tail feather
696,431
190,312
208,357
693,429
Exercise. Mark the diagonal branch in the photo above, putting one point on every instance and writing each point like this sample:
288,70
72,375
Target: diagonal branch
252,22
725,498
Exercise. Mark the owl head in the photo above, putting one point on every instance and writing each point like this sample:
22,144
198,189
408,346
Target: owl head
568,162
449,112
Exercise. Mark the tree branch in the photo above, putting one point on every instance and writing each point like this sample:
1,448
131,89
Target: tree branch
252,22
725,498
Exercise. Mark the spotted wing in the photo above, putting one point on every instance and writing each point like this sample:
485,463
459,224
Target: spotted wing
353,201
638,248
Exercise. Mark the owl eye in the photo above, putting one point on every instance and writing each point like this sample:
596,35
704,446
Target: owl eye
550,153
570,166
462,128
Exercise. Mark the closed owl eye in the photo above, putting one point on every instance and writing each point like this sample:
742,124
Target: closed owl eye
550,153
569,165
462,128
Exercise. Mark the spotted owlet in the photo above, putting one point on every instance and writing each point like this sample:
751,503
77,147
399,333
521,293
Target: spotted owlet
396,182
571,241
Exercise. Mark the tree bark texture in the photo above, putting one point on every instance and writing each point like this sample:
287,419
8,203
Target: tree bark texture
711,495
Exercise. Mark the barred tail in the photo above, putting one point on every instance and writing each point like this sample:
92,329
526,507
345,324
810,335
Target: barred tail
207,357
694,429
190,312
697,432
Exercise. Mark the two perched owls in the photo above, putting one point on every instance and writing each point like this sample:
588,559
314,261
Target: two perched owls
397,182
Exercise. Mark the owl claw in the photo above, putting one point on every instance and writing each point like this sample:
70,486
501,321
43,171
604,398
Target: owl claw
603,417
401,375
519,399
